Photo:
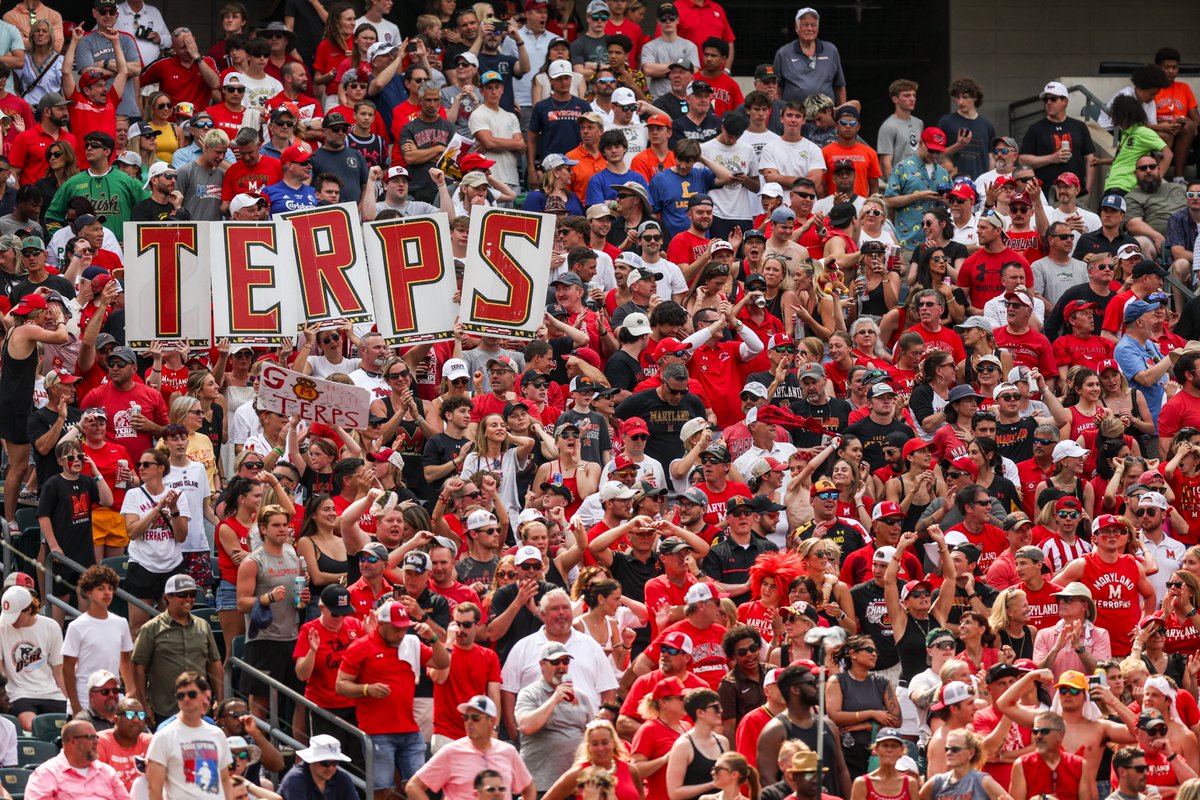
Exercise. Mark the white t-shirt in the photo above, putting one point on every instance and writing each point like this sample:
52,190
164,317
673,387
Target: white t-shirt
194,759
502,125
672,282
1091,222
388,31
96,644
323,368
758,141
733,201
245,424
506,467
28,656
375,384
791,158
8,743
156,550
649,469
192,482
260,90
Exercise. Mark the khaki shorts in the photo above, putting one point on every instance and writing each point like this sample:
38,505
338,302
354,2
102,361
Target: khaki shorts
108,528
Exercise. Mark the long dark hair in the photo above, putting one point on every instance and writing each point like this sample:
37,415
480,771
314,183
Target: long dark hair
1075,381
309,526
924,276
237,488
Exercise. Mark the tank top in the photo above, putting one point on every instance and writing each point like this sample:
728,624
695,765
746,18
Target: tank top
16,391
410,443
215,430
228,569
1062,781
699,771
970,787
329,564
1114,590
873,794
862,695
913,656
774,305
874,304
809,736
571,483
281,570
1080,422
915,510
167,142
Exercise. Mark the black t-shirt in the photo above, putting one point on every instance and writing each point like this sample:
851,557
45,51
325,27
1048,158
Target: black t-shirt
40,421
523,624
150,210
963,603
675,107
439,450
633,575
1014,440
624,310
874,436
348,164
1055,324
1096,242
684,128
663,420
1045,137
56,282
623,371
873,620
786,393
834,415
68,504
1189,321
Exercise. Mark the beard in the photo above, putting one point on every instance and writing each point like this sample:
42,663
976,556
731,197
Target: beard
1149,185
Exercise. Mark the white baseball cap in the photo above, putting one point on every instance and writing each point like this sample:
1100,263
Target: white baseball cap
454,369
244,200
559,68
624,97
528,553
156,169
1068,449
615,490
1054,89
15,600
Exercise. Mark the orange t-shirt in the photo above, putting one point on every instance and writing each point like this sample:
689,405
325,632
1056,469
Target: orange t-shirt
866,165
647,165
1174,101
582,172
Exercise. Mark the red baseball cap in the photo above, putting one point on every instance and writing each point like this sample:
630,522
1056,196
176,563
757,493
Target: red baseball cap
1003,180
634,425
1069,503
885,510
965,464
472,161
1075,306
913,445
622,462
780,340
30,302
1108,363
934,139
296,154
589,355
1069,178
963,192
671,347
669,687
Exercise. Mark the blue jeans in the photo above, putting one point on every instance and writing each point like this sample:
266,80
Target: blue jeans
402,752
226,596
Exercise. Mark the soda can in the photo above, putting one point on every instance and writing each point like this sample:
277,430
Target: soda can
298,584
122,481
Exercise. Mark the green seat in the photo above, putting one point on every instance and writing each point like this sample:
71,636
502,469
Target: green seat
210,615
119,564
31,752
48,727
29,541
14,779
27,520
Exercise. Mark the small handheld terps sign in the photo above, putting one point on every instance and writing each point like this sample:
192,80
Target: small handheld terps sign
298,395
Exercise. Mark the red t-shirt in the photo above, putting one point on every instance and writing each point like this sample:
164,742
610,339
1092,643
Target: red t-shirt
1114,312
645,684
716,500
1030,475
1088,351
1182,636
991,542
1180,411
485,404
457,593
241,178
309,107
86,117
661,592
471,670
320,685
945,339
1028,244
182,84
106,457
1062,782
370,660
363,597
985,722
717,367
726,94
226,120
699,22
366,521
1029,349
28,152
980,275
686,247
1187,503
110,752
327,60
653,740
117,404
708,656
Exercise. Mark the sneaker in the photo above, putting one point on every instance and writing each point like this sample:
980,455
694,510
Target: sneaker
27,497
1180,179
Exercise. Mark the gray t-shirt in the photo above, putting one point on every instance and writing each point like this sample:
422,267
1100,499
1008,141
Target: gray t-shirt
550,751
281,570
411,208
477,359
585,48
899,138
94,48
660,51
201,190
348,164
1051,279
468,105
10,224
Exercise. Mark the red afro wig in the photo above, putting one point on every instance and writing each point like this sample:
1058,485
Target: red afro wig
782,565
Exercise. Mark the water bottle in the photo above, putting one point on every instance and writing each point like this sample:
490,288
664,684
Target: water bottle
135,409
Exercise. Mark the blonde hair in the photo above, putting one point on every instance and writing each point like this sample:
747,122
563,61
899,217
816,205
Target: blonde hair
998,621
620,751
215,138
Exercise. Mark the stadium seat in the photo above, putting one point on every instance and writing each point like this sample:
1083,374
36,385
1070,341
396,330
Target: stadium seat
27,520
48,727
120,565
209,615
14,779
12,718
31,752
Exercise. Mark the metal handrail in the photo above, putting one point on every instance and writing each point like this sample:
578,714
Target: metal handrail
366,783
52,580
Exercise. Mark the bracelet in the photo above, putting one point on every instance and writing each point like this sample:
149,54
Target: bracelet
365,687
435,637
278,450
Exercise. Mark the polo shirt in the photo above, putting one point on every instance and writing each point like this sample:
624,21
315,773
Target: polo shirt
370,660
699,21
453,768
363,598
1133,357
801,76
57,778
28,152
730,562
166,649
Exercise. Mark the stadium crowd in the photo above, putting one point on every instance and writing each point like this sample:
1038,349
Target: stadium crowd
845,464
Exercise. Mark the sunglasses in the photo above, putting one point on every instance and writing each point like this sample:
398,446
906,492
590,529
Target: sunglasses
870,650
1147,167
652,238
139,715
672,651
1002,151
242,755
676,392
600,17
395,376
327,764
1142,512
1068,515
920,593
54,154
1009,398
252,465
1019,209
1140,768
107,692
569,435
805,195
148,464
872,212
234,89
369,559
73,457
944,644
474,717
955,749
1063,236
829,495
190,694
203,126
539,384
1043,731
1175,584
506,574
1070,690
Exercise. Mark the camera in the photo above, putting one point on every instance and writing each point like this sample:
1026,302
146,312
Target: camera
943,188
142,32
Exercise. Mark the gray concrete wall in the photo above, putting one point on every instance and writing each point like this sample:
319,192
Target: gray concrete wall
1013,48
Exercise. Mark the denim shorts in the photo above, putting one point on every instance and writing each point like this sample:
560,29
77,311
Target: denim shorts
226,596
403,752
